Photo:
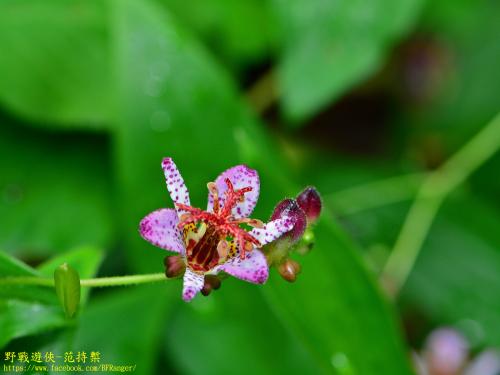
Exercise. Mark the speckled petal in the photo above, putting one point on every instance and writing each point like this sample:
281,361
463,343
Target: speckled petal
241,176
160,228
193,283
175,184
253,268
272,230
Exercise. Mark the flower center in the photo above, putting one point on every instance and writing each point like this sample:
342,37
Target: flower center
211,238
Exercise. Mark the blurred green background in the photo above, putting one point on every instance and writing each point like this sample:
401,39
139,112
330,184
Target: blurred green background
360,98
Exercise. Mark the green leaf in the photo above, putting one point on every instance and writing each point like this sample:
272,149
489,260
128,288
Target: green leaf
335,307
223,337
239,32
20,318
126,326
11,267
331,46
55,192
54,61
67,284
455,280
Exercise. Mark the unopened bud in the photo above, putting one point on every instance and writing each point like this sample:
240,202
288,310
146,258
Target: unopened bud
310,202
289,207
289,270
174,266
212,282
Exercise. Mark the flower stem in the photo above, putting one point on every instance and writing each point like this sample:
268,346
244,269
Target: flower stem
433,191
96,282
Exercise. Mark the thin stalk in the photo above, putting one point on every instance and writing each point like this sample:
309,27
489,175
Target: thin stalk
433,191
96,282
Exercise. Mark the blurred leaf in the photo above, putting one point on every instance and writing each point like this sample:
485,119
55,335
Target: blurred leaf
455,280
125,326
330,46
54,65
19,318
23,308
10,266
54,192
335,308
217,335
239,32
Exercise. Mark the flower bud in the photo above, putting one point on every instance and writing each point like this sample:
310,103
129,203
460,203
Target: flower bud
174,266
290,208
212,282
67,285
310,202
445,352
289,270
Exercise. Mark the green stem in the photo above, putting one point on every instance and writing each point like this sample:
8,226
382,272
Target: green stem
433,191
97,282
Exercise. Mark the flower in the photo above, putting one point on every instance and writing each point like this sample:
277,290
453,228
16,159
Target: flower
213,240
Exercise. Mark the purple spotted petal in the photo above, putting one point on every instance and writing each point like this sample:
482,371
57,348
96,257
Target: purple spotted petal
175,184
160,228
241,176
272,230
193,283
253,268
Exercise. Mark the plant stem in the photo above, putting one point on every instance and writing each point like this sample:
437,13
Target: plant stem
433,191
124,280
97,282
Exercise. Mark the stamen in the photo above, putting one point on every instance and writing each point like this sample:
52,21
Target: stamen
212,188
222,221
223,249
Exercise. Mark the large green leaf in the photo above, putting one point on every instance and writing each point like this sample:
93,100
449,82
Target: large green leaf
239,32
20,318
126,326
336,309
11,267
55,192
331,45
54,61
219,335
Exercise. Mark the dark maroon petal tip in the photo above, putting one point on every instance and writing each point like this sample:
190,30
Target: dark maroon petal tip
289,207
310,202
212,282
